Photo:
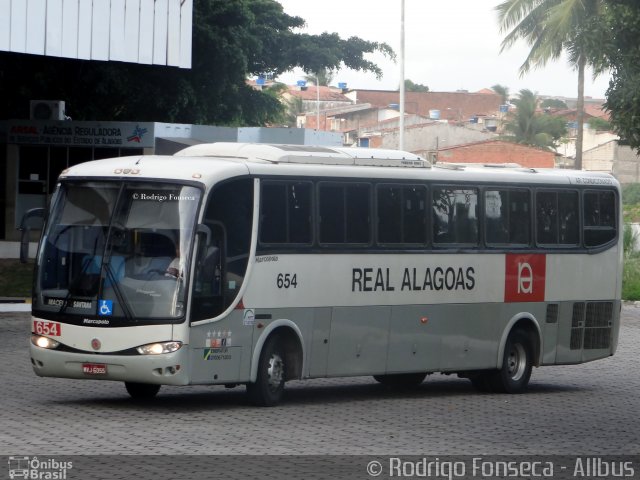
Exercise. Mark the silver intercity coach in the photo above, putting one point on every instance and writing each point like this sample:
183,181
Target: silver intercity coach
256,264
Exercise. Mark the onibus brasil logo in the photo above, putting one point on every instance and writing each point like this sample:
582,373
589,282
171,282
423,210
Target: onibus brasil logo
36,469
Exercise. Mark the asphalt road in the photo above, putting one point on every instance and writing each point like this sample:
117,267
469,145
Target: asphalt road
590,409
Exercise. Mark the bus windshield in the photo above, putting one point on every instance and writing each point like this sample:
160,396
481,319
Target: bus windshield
115,250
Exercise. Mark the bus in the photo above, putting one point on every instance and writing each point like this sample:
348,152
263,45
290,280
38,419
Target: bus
247,264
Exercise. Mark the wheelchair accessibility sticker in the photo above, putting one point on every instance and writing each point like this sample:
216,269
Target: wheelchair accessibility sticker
105,308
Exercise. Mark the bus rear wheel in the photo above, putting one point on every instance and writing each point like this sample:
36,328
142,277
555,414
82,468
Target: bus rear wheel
402,380
517,364
268,389
142,391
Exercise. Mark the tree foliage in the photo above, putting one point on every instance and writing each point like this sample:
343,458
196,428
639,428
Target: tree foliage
554,103
599,124
232,39
529,127
551,27
503,91
410,86
619,51
631,194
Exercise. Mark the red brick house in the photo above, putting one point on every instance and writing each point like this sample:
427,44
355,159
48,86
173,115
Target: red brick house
452,106
498,151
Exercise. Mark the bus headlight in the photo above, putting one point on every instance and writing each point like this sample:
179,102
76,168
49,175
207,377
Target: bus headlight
159,348
44,342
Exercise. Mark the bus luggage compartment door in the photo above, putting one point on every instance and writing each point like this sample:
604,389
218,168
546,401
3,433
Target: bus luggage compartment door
358,341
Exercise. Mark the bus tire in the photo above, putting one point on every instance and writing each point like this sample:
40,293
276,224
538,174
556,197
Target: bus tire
517,363
268,389
142,391
401,380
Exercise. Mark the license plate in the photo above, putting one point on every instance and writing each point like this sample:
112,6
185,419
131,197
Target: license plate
94,368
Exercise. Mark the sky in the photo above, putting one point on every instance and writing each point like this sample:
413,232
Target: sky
449,45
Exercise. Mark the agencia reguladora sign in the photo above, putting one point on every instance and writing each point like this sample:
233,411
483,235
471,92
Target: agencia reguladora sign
82,134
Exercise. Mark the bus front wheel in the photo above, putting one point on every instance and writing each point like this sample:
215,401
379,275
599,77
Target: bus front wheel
268,389
517,363
142,391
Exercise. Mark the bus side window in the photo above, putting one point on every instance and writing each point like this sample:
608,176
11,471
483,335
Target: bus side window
599,217
507,217
568,209
546,218
455,219
344,213
228,213
273,213
401,214
557,218
389,202
285,213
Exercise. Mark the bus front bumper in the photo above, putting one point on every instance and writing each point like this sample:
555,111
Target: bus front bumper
163,369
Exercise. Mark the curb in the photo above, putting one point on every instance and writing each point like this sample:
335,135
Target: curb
14,300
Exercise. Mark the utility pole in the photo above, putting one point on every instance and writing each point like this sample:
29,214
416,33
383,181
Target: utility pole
401,140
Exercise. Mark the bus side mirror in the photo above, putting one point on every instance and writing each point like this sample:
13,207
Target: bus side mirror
25,228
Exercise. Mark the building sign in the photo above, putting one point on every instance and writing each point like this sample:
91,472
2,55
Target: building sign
82,134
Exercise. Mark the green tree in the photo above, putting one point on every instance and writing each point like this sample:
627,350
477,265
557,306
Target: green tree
409,86
599,124
619,51
529,127
554,103
232,40
550,27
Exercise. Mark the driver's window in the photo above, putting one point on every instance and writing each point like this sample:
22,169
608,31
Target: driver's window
222,262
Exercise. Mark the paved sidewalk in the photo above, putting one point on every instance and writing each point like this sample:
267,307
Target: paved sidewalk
10,304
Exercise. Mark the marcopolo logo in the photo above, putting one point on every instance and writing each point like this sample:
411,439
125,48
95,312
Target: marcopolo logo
525,278
38,469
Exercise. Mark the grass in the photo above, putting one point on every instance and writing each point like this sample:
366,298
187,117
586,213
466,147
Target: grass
631,278
15,278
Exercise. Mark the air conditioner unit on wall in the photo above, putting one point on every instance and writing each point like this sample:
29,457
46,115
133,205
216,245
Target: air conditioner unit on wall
46,110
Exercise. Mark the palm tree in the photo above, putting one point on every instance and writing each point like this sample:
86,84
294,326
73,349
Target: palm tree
503,91
322,77
529,127
551,27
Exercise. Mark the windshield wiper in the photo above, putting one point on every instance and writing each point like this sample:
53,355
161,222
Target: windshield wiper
77,277
117,291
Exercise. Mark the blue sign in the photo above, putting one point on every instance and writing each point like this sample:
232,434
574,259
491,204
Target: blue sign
342,85
105,308
302,83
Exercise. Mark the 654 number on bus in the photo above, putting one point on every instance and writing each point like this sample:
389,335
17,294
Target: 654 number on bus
287,280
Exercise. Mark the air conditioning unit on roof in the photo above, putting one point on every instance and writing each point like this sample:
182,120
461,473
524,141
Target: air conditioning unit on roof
46,110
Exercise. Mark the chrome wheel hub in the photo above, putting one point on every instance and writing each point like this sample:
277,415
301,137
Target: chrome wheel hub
516,362
275,371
